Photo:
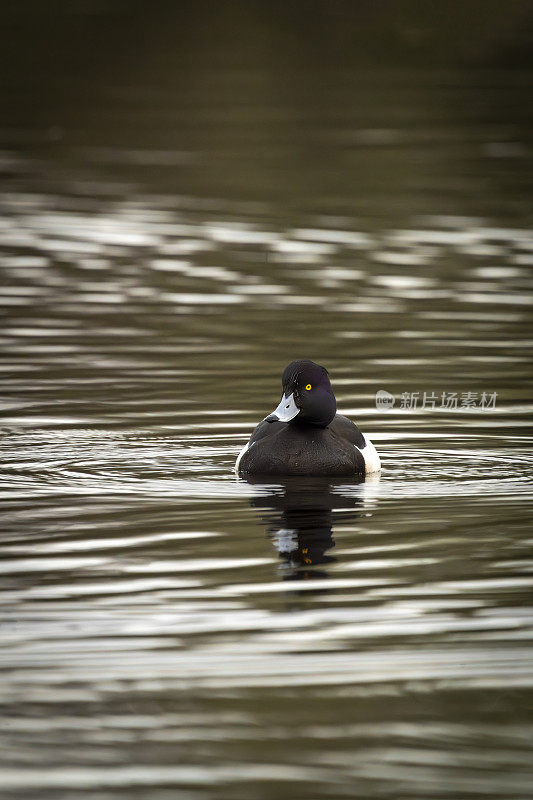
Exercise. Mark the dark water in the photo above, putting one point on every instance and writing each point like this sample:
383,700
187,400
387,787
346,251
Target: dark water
170,630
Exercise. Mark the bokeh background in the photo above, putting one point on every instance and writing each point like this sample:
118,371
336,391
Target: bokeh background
192,195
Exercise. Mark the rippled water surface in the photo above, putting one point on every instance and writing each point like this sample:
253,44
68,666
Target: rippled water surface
170,630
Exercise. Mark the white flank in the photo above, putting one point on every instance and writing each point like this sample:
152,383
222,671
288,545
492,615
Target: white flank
243,451
370,454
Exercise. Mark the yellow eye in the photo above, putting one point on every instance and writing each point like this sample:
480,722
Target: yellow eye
308,387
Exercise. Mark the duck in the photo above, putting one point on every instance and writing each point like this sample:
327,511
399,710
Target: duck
305,435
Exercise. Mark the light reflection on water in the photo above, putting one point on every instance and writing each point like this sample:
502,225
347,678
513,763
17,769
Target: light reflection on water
168,626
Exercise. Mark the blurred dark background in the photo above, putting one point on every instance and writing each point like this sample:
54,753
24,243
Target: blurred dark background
277,101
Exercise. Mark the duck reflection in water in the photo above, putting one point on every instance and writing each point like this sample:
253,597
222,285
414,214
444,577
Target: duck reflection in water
300,515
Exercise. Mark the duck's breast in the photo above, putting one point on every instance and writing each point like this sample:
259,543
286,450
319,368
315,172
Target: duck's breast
292,450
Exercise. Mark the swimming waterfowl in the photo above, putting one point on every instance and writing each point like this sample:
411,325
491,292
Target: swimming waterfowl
305,435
